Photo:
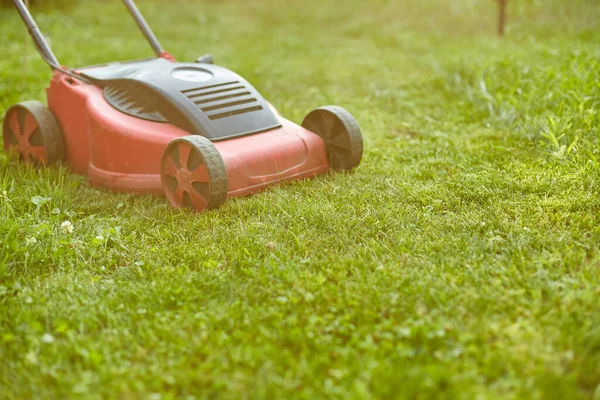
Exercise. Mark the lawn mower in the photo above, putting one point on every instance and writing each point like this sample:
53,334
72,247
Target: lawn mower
196,132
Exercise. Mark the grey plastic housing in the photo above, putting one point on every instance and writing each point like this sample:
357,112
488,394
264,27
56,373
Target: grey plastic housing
202,99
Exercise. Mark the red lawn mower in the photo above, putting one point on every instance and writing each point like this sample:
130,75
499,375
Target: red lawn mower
197,132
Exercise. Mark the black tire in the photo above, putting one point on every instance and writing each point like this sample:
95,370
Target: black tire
199,181
341,134
31,130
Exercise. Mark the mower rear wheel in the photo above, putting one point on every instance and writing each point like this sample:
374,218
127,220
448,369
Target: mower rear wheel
341,134
31,131
193,174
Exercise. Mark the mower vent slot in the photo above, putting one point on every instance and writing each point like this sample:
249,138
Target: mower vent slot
234,112
224,105
194,95
229,96
208,87
224,99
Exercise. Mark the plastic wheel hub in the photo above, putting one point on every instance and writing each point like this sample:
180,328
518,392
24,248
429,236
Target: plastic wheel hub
193,173
23,136
31,131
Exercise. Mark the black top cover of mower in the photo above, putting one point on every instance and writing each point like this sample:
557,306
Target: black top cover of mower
202,99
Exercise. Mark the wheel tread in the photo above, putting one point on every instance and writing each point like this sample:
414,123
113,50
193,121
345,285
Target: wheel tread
217,171
50,131
353,132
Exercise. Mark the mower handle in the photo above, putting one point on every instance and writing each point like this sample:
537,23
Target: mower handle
38,39
40,42
144,27
46,52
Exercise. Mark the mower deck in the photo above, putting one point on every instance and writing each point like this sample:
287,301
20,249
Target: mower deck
122,152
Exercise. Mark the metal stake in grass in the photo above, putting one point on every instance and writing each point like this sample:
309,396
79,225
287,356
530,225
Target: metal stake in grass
501,16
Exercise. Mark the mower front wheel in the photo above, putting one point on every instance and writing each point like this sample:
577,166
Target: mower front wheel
193,174
31,131
341,134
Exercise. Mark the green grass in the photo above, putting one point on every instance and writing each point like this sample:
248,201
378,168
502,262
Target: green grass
461,259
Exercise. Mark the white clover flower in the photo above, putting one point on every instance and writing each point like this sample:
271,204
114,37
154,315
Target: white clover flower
67,227
47,338
30,241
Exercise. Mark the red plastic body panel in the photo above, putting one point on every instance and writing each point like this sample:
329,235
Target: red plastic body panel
123,153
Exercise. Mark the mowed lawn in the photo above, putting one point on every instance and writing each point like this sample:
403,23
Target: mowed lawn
460,259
